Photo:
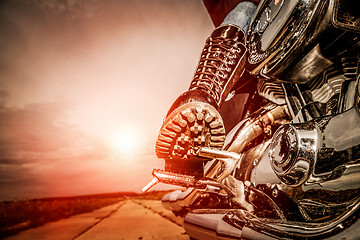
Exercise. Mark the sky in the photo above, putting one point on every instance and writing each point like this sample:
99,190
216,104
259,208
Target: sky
84,88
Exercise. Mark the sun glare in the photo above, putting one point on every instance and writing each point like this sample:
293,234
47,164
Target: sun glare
125,143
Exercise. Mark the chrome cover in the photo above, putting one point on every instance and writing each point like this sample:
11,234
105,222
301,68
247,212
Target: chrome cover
293,151
279,32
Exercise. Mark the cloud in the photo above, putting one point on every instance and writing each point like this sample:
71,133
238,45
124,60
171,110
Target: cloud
38,148
34,128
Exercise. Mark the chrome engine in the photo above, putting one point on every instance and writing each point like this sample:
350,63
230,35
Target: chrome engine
291,169
304,179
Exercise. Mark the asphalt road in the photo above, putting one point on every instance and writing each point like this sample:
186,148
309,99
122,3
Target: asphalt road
130,219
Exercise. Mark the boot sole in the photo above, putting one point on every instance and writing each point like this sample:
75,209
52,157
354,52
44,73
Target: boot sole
188,128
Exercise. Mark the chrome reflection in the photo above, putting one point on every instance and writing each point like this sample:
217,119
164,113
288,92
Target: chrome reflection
293,152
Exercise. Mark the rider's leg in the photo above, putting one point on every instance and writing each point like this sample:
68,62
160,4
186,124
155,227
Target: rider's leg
241,15
193,120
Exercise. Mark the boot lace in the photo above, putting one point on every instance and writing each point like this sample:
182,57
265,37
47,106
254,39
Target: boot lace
218,60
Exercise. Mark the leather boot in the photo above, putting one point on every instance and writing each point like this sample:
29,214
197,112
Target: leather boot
193,121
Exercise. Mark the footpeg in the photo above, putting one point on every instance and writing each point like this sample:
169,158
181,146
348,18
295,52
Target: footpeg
179,180
151,184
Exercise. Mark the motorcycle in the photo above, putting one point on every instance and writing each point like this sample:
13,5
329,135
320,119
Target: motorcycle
290,169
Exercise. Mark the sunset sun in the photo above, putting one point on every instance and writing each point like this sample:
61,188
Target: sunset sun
125,143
